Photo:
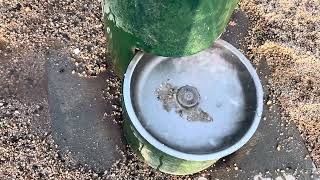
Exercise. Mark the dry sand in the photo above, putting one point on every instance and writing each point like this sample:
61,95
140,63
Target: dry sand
286,33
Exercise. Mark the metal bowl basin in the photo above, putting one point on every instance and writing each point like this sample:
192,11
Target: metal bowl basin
217,123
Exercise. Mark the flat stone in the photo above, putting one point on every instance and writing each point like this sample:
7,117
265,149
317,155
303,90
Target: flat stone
77,111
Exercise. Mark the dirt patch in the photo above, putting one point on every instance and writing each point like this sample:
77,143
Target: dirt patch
296,80
286,34
25,153
76,23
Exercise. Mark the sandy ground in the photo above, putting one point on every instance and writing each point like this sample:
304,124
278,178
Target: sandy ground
285,33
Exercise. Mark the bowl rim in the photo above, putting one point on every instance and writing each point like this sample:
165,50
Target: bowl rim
189,156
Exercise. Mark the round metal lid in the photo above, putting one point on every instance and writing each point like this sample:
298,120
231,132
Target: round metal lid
199,107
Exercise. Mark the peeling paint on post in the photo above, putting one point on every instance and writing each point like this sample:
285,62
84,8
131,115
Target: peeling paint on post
158,159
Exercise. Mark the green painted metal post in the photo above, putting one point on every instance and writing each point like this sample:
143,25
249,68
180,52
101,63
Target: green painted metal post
169,28
163,27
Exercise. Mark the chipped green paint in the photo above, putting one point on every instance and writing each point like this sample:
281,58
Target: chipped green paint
158,159
163,27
